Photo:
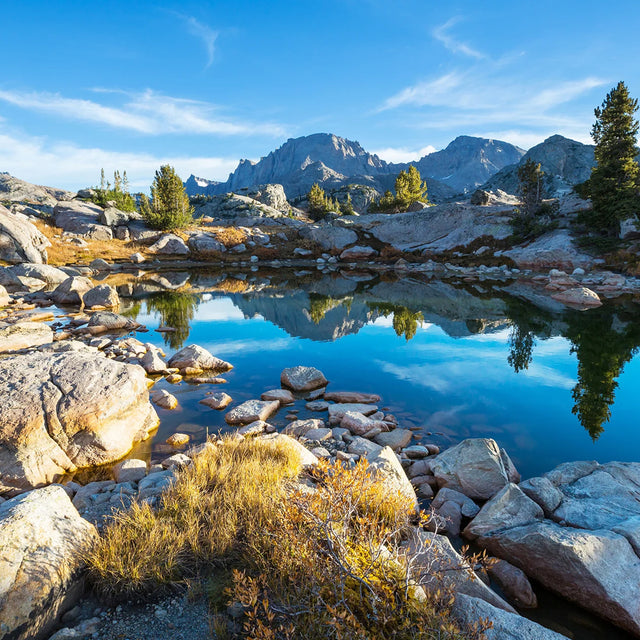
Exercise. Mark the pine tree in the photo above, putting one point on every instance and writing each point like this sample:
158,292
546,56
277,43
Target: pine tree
530,175
317,199
169,207
346,208
614,185
416,189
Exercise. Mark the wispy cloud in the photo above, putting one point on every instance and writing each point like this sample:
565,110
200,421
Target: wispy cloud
206,34
147,112
442,34
70,166
403,154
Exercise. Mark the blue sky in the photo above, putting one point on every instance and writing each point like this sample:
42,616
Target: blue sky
131,85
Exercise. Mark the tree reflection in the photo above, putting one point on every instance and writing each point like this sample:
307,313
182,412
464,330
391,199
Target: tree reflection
405,322
319,305
527,322
603,342
176,310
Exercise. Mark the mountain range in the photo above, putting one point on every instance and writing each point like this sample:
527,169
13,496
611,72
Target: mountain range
466,164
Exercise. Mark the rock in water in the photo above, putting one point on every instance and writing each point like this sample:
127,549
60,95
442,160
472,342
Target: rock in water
303,378
196,357
62,411
101,296
72,290
476,467
252,410
43,541
579,297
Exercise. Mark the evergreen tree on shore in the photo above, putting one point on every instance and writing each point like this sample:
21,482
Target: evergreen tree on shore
169,207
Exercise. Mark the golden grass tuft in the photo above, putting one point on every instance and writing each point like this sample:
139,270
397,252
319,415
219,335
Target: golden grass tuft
229,236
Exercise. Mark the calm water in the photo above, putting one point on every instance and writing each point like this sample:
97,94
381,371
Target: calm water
456,361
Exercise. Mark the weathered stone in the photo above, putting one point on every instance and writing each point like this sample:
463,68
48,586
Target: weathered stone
318,434
307,459
219,400
164,399
111,321
475,467
541,490
130,470
468,508
579,297
352,397
154,484
43,542
303,378
196,357
153,364
396,439
23,335
299,428
338,411
68,410
283,396
178,439
359,424
253,428
363,447
169,244
510,507
252,410
358,253
20,241
72,290
101,296
45,272
206,245
329,237
506,625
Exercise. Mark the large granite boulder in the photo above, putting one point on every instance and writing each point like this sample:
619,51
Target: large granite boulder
82,218
169,244
43,543
102,295
24,334
587,549
72,290
20,241
385,463
476,467
205,244
69,410
303,378
44,272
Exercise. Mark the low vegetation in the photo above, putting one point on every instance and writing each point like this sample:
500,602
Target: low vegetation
299,560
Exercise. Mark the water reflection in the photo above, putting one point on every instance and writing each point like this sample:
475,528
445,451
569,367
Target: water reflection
325,308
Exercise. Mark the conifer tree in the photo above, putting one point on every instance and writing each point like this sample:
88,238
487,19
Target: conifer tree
169,207
416,189
614,185
346,208
530,175
317,199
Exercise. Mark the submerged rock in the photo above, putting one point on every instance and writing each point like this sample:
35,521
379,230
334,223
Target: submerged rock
252,410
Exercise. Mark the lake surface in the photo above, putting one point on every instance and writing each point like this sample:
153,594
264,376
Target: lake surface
452,360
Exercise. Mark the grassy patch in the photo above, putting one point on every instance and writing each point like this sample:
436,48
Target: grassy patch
301,562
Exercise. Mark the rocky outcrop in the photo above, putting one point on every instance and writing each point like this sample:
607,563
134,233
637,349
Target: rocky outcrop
43,543
72,290
44,272
272,195
565,163
551,250
169,244
103,295
575,530
83,219
329,237
194,357
231,205
578,297
438,228
20,241
62,411
15,190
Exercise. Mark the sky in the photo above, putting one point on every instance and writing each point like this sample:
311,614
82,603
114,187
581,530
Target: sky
87,85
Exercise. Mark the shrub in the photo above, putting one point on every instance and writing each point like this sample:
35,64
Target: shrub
169,207
119,193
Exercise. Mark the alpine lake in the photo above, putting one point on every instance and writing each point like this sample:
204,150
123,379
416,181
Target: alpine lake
451,360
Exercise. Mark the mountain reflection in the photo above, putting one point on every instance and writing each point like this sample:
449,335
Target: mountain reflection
326,308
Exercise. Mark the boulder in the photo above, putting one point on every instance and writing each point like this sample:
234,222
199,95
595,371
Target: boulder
152,363
67,410
20,241
506,625
283,396
72,290
303,378
360,424
476,467
351,397
541,491
205,244
514,583
580,297
338,411
164,399
396,439
131,470
219,400
252,410
111,321
81,218
196,357
101,296
44,272
468,508
510,507
307,459
358,253
113,217
629,229
43,541
23,335
169,244
5,298
328,236
595,569
16,190
300,428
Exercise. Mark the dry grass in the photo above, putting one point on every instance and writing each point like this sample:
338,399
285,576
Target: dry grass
228,236
304,562
232,285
